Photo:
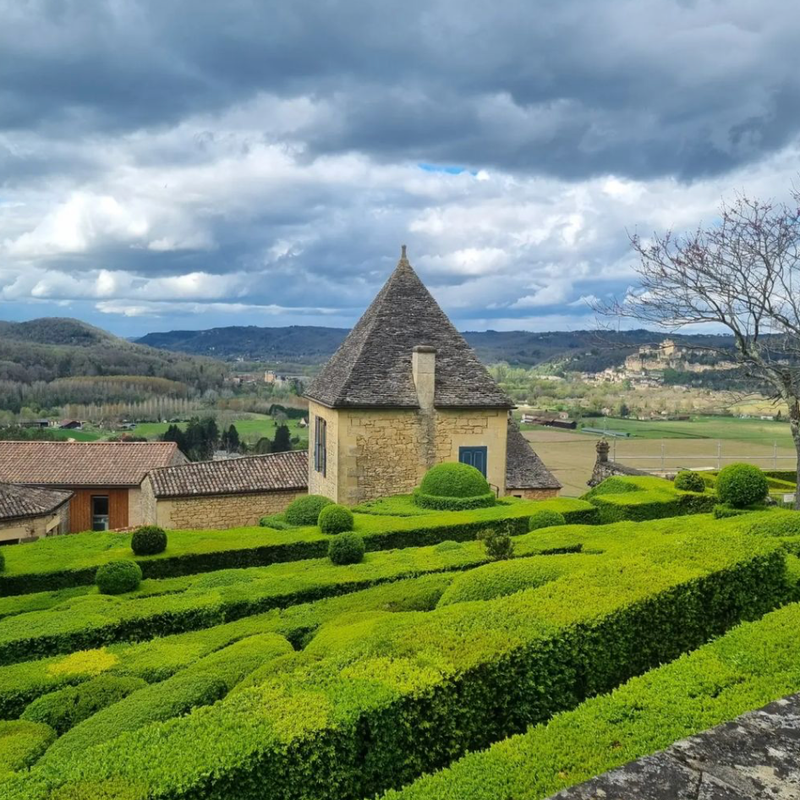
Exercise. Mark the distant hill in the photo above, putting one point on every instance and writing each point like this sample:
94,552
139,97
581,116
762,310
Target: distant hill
312,345
50,348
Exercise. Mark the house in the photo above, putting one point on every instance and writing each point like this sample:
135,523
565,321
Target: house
70,425
603,468
104,477
526,474
28,513
224,494
402,393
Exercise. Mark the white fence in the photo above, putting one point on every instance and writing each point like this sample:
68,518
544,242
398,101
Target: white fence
665,462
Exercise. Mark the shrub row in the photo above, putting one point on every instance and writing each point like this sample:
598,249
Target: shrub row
415,690
21,744
159,658
202,601
62,562
202,683
749,667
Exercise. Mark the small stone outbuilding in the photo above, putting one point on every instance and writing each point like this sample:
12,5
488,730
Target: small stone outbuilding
28,513
603,468
405,392
232,493
526,474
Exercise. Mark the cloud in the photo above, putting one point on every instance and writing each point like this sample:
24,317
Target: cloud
262,162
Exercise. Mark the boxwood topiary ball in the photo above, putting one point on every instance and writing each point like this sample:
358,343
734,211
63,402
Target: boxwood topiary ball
335,519
688,481
346,548
118,577
545,519
305,510
148,540
741,485
453,479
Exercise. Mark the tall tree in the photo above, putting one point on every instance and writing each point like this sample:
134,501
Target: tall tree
742,275
283,439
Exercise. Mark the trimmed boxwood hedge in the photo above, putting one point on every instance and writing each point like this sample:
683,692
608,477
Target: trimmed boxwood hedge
21,744
453,479
118,577
545,519
688,481
347,548
69,561
741,485
335,519
305,510
148,540
421,688
750,666
65,708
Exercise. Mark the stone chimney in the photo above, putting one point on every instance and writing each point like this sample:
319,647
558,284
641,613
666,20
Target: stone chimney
423,370
602,451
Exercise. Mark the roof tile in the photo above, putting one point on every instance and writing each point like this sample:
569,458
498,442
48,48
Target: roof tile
19,502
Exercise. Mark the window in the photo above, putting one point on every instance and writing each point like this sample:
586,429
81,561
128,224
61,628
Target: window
320,445
474,456
99,512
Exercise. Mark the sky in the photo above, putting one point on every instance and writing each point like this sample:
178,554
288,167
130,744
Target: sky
182,165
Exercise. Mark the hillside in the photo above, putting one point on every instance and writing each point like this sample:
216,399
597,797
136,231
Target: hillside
47,349
311,345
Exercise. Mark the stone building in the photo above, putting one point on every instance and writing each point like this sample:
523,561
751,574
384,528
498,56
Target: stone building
104,477
223,494
404,392
28,513
603,468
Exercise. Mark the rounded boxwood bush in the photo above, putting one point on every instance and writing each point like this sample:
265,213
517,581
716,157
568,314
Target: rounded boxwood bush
688,481
740,485
118,577
346,548
453,479
305,510
148,540
335,519
545,519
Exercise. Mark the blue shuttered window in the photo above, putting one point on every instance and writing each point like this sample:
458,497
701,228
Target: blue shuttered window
474,456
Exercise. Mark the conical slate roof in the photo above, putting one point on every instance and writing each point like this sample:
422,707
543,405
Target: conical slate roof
524,469
372,368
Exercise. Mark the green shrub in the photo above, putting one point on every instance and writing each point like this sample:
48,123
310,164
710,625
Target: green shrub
741,485
276,522
148,540
65,708
2,560
749,667
453,479
21,745
335,519
347,548
422,688
498,545
305,510
453,503
118,577
545,519
722,511
504,578
688,481
447,544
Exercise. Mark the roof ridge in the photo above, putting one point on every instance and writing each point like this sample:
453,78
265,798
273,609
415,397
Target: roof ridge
226,460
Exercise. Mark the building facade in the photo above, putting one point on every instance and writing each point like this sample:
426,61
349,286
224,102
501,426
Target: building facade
28,513
405,392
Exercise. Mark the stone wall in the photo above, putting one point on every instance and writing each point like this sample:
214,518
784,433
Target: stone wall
533,494
221,511
147,503
379,452
36,527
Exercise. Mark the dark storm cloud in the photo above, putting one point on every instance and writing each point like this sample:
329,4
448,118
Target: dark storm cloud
571,88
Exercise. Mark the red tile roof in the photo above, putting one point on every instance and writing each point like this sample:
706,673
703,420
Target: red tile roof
83,463
273,472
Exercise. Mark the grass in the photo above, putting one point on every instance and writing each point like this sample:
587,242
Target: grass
251,429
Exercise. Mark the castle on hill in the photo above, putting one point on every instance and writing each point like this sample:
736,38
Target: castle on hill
405,392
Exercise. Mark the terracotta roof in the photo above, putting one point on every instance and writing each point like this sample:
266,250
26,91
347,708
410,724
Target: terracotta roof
19,502
83,463
248,475
524,469
373,365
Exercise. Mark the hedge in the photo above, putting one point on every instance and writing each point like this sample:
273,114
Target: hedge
201,683
741,485
67,707
66,561
202,601
21,744
159,658
747,668
643,498
422,688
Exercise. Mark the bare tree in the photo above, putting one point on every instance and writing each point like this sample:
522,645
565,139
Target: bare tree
742,274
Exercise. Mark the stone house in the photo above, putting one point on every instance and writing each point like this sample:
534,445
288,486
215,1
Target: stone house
404,392
28,513
223,494
104,477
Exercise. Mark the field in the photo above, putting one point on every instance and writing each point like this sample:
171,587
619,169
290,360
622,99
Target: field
246,658
251,428
700,443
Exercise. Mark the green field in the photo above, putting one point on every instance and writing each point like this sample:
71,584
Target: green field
251,429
